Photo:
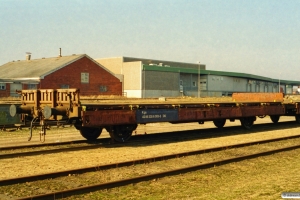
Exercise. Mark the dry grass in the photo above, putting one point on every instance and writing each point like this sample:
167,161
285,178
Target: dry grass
243,180
261,178
225,182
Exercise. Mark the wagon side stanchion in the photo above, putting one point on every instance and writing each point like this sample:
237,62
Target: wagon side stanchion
31,126
43,131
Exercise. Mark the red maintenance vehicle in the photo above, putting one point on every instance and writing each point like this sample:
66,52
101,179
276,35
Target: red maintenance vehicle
121,117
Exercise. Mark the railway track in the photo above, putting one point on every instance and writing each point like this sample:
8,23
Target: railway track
50,125
110,184
167,137
60,148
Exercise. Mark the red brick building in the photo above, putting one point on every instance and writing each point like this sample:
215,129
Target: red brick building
76,71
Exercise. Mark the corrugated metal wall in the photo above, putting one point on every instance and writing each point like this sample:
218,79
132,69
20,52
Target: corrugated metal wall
157,83
154,80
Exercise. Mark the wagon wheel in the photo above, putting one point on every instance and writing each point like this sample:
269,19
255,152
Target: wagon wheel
121,133
219,122
275,118
78,124
247,122
297,117
90,133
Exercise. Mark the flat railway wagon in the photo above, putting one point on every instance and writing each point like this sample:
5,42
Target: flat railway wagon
121,117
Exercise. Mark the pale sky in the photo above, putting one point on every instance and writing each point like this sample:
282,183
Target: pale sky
258,37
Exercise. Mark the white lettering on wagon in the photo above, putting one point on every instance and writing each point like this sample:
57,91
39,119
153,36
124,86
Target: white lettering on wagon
156,115
152,116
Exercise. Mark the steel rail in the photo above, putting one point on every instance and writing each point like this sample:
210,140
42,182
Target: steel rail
93,145
104,142
204,134
108,140
95,187
49,151
134,162
42,145
35,124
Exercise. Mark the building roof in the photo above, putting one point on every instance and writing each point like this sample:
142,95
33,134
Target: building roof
192,68
219,73
164,63
36,69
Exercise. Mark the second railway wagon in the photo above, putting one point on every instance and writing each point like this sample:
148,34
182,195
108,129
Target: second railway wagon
6,120
121,117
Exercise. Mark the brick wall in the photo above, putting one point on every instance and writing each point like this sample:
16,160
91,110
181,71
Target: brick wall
71,75
6,92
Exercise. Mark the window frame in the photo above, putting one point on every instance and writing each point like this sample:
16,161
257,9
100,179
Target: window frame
29,86
85,77
103,88
64,86
2,86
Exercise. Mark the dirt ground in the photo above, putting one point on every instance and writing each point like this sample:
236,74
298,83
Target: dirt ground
24,166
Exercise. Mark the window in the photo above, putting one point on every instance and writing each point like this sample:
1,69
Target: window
64,86
103,88
85,77
194,84
2,86
32,86
181,82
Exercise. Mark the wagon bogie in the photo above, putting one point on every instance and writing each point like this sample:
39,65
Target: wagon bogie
122,133
90,133
275,118
219,123
247,122
297,117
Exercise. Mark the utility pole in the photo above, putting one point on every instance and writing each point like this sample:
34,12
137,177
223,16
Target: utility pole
279,83
279,86
199,84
